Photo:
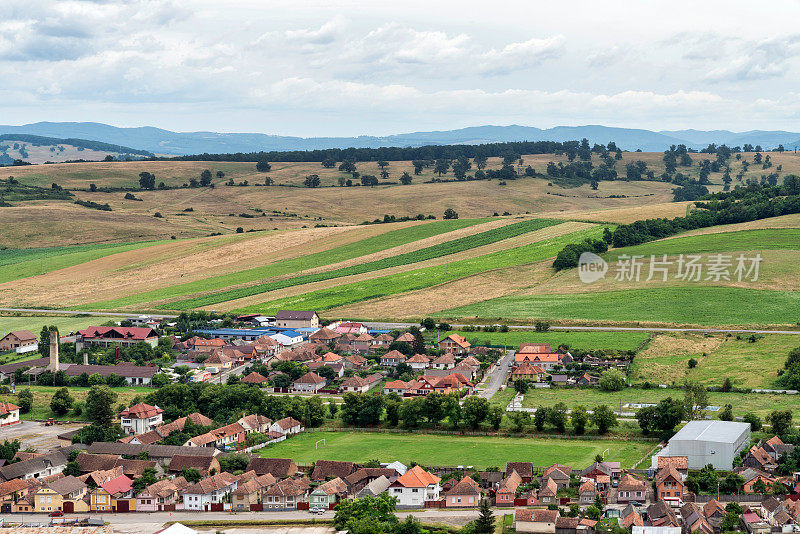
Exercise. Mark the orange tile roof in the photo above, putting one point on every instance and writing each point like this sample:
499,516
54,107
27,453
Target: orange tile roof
417,477
141,411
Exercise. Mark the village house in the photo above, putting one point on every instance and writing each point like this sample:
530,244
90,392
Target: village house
464,494
112,496
548,493
277,467
203,464
669,484
285,495
680,463
309,383
255,379
384,340
507,490
328,469
631,489
211,490
541,521
248,494
523,469
140,418
363,343
393,358
445,361
415,487
19,341
374,488
455,345
328,494
587,492
296,319
109,336
324,336
418,362
65,493
395,386
356,384
287,426
559,473
39,466
364,476
354,361
526,371
9,413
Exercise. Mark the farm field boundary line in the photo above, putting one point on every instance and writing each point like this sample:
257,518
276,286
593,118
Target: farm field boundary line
435,251
376,243
424,277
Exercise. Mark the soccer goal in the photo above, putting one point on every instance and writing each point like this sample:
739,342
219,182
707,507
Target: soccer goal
320,443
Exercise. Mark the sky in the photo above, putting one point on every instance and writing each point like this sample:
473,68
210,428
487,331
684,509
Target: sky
347,67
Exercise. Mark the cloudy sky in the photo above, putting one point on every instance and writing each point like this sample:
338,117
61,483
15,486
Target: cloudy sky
349,67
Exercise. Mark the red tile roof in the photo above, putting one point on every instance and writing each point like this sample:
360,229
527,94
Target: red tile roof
7,408
120,484
417,477
141,411
118,332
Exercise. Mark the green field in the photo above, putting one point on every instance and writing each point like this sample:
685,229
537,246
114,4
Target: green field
423,278
22,263
369,245
769,239
43,394
444,450
760,404
748,365
695,305
34,323
574,339
443,249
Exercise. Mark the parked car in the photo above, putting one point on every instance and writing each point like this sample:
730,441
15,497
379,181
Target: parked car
317,510
57,513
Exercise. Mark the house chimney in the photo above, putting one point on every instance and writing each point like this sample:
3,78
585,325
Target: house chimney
53,351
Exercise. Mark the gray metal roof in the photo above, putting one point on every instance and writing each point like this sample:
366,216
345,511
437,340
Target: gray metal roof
716,431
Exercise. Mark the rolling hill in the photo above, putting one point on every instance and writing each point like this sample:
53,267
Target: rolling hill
161,141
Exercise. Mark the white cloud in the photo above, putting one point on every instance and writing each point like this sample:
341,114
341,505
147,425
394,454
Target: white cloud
516,56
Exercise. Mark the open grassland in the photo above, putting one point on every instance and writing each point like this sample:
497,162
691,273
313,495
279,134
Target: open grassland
441,450
748,364
759,403
42,395
358,242
697,305
34,323
194,212
417,256
573,339
425,277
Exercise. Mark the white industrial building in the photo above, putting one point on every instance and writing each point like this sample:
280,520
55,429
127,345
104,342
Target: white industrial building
708,442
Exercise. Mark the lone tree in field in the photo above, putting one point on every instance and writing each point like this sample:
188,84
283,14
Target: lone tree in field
441,166
383,164
312,180
263,166
205,178
450,213
405,179
147,180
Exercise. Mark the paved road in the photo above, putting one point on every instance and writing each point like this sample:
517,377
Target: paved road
498,376
147,523
391,326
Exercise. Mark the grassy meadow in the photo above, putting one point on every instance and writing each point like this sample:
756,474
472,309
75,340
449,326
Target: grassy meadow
42,395
749,364
442,450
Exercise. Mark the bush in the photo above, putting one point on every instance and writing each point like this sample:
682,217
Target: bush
692,363
612,380
158,215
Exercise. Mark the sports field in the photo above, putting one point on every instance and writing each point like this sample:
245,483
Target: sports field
573,339
445,450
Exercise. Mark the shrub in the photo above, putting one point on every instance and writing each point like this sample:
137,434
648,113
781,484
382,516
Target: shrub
692,363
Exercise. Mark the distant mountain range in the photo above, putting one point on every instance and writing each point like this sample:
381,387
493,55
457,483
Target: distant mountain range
161,141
